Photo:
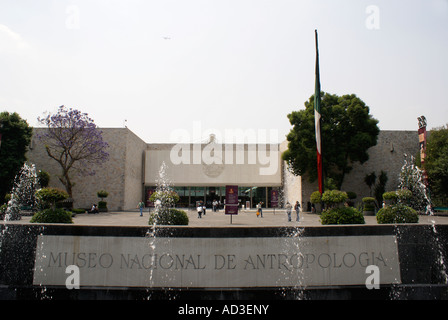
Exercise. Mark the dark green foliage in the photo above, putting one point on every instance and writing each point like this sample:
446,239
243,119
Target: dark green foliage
16,137
43,178
343,215
102,194
348,131
173,217
102,206
334,197
52,216
397,213
436,163
48,197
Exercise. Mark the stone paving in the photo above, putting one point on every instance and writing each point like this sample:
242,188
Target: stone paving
219,219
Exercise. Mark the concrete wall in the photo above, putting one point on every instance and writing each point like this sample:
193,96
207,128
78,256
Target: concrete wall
248,170
121,175
133,164
388,155
420,248
134,171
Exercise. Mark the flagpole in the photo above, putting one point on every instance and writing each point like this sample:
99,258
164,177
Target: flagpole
317,119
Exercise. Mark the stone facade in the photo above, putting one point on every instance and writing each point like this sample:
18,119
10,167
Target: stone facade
121,175
134,164
388,155
242,165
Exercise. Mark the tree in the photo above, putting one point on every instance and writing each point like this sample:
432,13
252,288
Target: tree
74,141
15,138
347,130
370,180
436,162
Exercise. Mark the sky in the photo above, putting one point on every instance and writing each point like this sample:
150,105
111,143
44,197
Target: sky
181,69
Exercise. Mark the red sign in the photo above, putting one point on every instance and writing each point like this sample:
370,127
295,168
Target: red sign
274,198
149,193
232,200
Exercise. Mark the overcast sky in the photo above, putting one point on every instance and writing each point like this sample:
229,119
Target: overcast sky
216,65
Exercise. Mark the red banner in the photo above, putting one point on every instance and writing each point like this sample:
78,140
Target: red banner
232,200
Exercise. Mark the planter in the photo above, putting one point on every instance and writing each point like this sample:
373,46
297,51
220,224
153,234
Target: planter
102,206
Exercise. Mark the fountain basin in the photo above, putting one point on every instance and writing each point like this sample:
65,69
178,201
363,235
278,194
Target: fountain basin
260,262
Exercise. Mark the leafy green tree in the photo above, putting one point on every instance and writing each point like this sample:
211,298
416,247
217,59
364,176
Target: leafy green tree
436,162
15,138
347,130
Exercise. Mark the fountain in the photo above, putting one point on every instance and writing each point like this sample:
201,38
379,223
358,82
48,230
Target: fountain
411,178
22,194
162,205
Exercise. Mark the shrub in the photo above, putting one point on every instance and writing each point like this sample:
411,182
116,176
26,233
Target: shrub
344,215
170,217
397,213
52,216
316,197
102,194
404,195
102,204
334,197
368,203
368,200
351,195
49,196
390,195
43,177
166,197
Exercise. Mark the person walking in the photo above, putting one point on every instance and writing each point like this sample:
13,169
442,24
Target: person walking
260,209
288,210
297,209
140,206
199,209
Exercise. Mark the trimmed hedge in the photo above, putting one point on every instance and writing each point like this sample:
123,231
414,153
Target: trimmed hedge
52,216
397,213
334,197
174,217
343,215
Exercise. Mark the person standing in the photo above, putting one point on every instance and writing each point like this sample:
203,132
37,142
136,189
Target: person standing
288,210
215,205
140,206
297,209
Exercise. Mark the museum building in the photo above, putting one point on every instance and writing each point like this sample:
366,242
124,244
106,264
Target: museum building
200,172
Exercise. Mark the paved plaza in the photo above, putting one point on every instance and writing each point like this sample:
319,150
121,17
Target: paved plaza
219,219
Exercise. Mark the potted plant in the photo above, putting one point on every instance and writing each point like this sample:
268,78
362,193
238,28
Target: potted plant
315,199
102,205
368,206
390,197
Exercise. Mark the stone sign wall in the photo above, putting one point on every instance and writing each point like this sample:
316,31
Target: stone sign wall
243,262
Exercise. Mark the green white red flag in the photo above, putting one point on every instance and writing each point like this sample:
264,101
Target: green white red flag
317,119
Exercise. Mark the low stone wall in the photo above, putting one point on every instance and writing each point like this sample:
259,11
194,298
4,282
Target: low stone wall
224,263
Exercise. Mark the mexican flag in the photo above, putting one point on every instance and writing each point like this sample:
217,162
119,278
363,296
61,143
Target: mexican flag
317,119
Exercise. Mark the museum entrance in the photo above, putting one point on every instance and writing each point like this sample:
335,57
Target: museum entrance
189,197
